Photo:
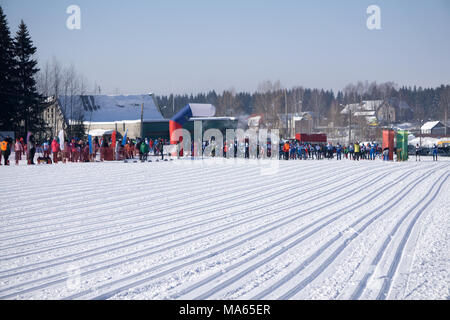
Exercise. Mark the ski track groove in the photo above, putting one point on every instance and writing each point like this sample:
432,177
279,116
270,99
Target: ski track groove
100,201
398,254
39,287
274,255
213,178
124,217
146,219
300,286
164,232
38,195
144,278
140,282
185,178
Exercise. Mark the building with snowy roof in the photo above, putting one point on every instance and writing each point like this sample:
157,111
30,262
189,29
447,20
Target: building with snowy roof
102,114
386,111
434,128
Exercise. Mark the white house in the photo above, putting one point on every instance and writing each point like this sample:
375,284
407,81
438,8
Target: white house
380,111
101,113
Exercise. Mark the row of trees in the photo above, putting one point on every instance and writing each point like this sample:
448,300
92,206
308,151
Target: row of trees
272,100
21,104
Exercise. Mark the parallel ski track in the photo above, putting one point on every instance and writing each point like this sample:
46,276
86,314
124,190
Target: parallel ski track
300,286
77,185
180,203
119,285
84,177
127,257
179,216
284,249
358,292
145,237
292,217
116,187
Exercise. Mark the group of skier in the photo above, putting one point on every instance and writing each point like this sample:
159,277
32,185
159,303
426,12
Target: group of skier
434,152
295,150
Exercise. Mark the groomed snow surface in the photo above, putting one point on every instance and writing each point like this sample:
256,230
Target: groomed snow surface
226,229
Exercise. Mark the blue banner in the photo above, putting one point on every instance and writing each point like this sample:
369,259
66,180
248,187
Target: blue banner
90,144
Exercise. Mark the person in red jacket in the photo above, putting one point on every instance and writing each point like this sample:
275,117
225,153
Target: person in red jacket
225,149
55,150
150,144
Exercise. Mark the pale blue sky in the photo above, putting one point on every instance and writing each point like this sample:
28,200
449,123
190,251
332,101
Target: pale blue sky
194,46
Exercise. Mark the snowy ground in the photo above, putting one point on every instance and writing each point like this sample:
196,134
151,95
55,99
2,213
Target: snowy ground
226,230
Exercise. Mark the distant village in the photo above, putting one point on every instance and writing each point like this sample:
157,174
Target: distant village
100,115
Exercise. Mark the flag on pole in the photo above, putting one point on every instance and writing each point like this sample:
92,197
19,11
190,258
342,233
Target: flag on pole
124,141
90,144
62,143
113,139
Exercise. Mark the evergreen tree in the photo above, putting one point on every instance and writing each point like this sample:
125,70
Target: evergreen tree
29,102
7,84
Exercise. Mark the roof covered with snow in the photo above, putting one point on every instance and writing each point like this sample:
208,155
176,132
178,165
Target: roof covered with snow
373,105
370,105
99,132
108,108
429,125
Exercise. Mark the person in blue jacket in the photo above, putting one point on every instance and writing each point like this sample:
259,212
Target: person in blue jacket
435,153
317,152
372,151
329,149
338,152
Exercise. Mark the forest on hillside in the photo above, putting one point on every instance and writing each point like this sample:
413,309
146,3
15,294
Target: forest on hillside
271,99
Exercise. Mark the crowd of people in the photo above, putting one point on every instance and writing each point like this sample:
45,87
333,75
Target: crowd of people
139,147
20,149
80,150
294,150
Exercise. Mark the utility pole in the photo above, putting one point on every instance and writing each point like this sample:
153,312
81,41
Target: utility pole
350,126
285,111
446,109
420,132
142,121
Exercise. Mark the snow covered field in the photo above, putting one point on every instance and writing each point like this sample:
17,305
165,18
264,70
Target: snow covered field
226,230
